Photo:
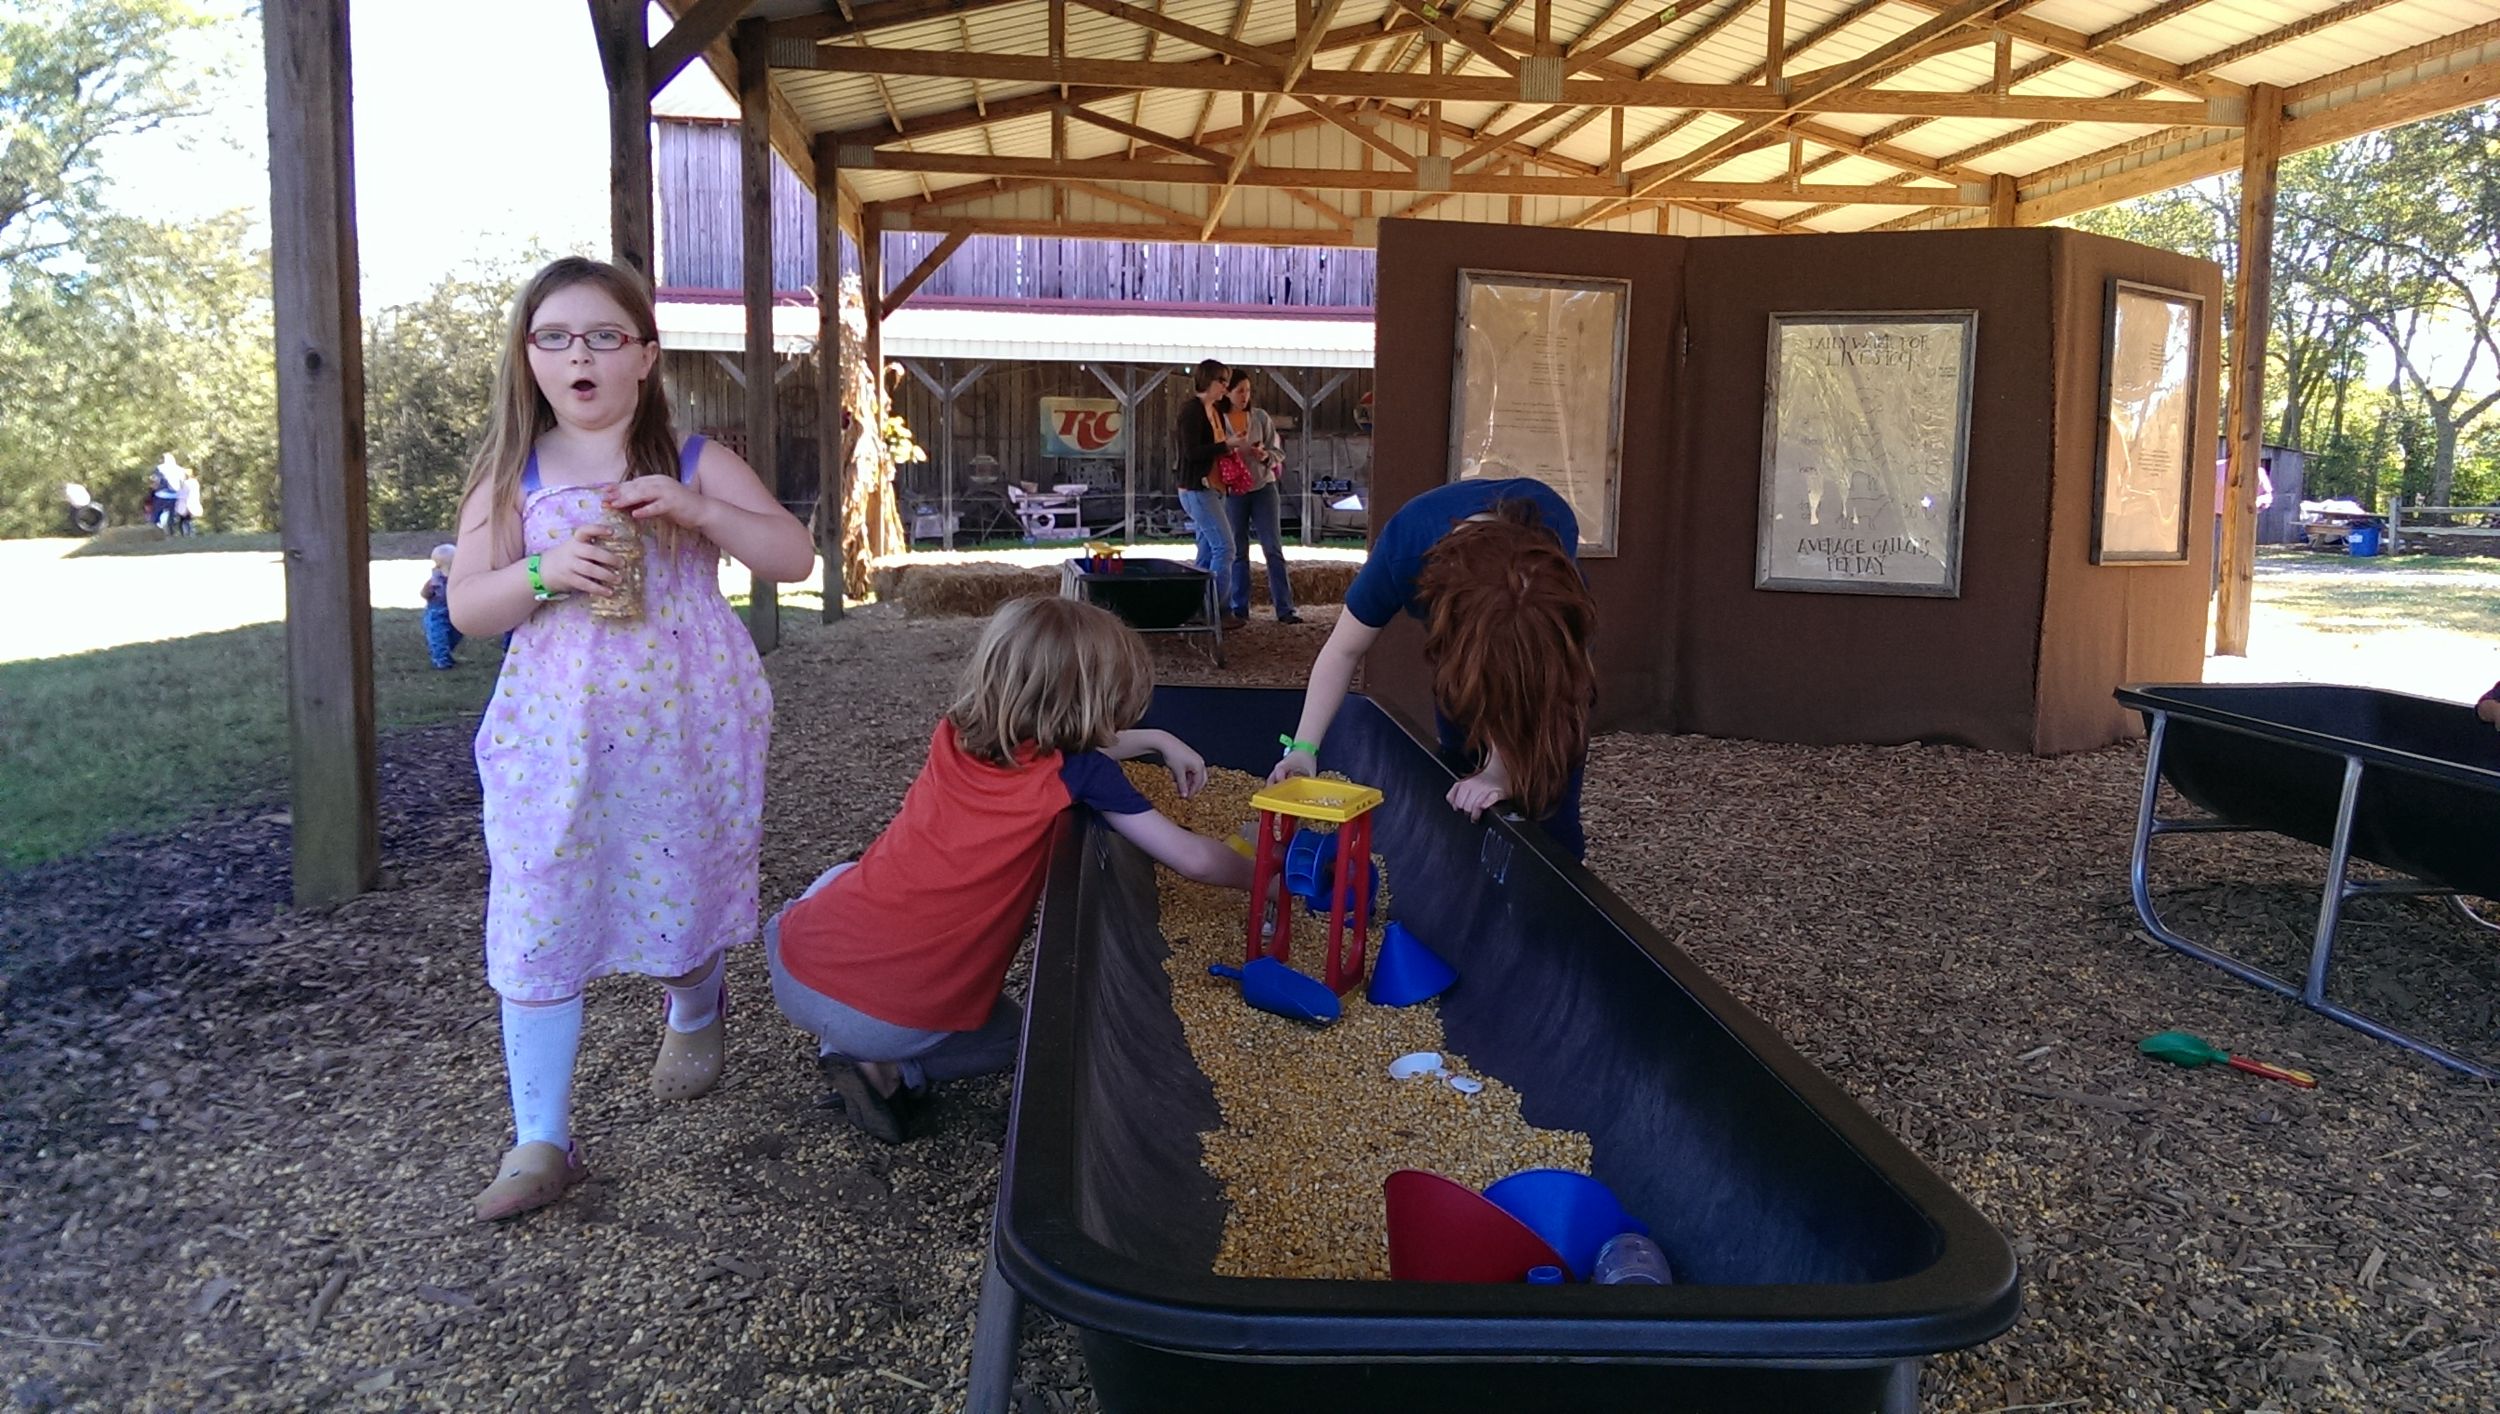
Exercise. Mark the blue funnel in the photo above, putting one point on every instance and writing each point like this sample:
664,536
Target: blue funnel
1407,972
1271,986
1573,1212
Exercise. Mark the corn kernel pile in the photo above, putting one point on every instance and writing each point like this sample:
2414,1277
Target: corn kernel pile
1312,1122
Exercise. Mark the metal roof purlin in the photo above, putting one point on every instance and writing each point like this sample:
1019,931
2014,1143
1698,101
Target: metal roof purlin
2093,96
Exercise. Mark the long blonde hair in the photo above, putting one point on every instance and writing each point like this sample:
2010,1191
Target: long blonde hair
520,414
1061,675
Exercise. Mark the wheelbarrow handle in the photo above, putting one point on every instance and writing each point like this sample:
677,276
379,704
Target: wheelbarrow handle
2301,1078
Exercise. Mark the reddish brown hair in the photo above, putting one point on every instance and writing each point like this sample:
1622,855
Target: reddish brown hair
1509,647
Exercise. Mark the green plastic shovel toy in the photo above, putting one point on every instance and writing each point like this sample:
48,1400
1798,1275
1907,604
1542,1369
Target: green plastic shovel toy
2181,1049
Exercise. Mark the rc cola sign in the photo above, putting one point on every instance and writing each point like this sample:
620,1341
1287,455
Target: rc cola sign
1082,427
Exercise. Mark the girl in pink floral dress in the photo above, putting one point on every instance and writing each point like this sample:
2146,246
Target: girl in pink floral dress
622,757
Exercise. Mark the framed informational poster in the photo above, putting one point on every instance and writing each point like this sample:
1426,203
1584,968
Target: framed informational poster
2149,357
1865,439
1537,388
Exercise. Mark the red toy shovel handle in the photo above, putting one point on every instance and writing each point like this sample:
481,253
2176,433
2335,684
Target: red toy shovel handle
2301,1078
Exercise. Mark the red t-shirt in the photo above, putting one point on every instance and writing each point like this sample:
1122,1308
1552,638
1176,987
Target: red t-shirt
920,933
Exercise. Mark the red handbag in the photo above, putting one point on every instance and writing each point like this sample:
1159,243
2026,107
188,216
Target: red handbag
1232,473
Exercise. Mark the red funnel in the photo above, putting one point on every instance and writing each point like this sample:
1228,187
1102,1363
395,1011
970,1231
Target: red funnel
1444,1231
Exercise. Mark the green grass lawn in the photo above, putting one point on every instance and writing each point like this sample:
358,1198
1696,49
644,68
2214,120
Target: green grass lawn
100,743
143,540
2334,594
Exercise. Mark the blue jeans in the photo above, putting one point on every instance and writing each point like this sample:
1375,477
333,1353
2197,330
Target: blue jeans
1206,517
846,1033
441,639
1241,513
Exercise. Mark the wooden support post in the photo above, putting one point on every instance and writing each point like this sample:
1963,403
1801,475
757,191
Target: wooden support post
1059,153
2251,296
833,443
755,183
1614,140
1435,46
2003,197
872,294
2004,62
625,52
1777,50
321,450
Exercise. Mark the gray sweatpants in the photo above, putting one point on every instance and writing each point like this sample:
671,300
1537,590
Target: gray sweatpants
846,1033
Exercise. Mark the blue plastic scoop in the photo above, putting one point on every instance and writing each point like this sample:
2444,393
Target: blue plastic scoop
1271,986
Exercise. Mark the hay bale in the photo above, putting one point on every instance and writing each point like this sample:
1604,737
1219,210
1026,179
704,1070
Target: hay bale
974,588
942,591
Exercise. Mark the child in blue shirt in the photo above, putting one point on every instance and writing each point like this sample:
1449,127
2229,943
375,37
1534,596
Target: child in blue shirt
1490,566
440,637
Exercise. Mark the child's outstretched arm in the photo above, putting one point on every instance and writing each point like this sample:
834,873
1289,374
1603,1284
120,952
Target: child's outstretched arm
728,506
1188,768
1332,674
1192,855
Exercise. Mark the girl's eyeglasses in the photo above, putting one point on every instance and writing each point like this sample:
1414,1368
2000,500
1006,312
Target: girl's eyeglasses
600,340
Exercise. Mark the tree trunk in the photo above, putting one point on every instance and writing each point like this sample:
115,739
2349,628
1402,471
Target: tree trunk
2443,455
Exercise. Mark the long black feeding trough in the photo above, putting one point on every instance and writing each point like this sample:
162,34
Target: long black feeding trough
1150,596
2408,783
1817,1260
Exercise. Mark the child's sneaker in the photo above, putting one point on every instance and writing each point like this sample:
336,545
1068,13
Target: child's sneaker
885,1117
689,1062
532,1176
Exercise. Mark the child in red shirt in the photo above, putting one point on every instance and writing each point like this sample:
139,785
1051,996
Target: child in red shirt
894,963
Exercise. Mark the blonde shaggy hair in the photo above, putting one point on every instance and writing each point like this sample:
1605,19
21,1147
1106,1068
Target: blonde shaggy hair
1056,674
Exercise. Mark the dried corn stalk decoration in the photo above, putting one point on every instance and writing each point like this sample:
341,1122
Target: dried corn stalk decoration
872,524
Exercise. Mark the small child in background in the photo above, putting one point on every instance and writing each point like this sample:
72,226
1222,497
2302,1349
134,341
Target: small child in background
895,963
2489,707
441,639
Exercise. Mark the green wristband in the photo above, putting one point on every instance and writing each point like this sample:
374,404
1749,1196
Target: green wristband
1293,744
538,586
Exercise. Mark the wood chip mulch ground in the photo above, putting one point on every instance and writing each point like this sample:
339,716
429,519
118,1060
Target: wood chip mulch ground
237,1143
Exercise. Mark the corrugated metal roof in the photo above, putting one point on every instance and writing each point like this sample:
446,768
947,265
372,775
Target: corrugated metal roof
720,326
1732,53
1054,336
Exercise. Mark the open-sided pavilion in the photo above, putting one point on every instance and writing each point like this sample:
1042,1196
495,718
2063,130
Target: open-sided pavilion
1307,122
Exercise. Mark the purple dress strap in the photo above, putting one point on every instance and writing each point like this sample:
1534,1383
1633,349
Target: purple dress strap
687,458
529,475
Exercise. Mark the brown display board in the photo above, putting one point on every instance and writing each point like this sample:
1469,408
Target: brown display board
1414,346
2021,658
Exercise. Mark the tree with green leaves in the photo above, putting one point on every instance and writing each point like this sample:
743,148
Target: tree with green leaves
75,74
158,340
429,378
2420,206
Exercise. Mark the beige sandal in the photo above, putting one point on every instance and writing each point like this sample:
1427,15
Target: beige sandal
689,1062
533,1175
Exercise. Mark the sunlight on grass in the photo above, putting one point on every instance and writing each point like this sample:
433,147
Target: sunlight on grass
99,743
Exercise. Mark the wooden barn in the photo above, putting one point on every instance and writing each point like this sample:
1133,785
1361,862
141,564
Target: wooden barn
1011,337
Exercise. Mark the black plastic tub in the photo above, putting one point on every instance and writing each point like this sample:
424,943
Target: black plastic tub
1818,1260
2272,757
1147,594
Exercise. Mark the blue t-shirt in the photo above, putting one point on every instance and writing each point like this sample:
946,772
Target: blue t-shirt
1386,582
1096,780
